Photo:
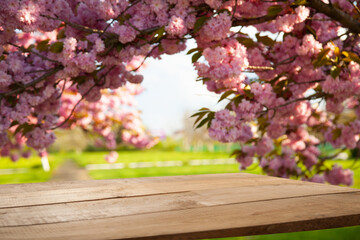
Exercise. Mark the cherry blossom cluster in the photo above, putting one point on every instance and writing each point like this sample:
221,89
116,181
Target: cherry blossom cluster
69,62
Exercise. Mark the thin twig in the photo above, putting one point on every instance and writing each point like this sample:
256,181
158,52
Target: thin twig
79,27
21,48
113,20
32,83
233,15
143,61
356,7
260,67
286,61
73,109
308,82
37,71
311,97
252,21
82,98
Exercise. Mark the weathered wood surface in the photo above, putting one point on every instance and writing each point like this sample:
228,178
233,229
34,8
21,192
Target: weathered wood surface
180,207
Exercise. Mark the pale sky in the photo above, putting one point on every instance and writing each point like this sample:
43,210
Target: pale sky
171,91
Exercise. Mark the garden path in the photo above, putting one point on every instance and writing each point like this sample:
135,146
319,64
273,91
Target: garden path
69,171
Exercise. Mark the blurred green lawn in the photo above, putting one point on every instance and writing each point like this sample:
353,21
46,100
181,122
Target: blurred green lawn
36,174
154,156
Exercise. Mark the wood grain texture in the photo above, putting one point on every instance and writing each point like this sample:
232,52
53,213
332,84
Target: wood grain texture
182,207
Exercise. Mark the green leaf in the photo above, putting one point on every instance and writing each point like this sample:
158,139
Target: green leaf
61,34
262,123
224,10
253,140
202,123
43,45
299,2
279,87
336,50
199,113
335,71
248,94
199,23
12,100
311,30
193,50
202,114
323,53
237,99
24,128
18,129
274,10
322,58
321,63
196,56
336,133
247,42
57,47
13,123
27,128
274,80
265,40
123,18
353,56
158,34
226,94
119,46
79,79
236,152
211,116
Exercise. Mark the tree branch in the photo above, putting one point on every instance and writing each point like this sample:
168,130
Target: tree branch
334,13
252,21
32,83
24,50
79,27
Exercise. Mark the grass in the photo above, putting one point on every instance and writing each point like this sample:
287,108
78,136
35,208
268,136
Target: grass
154,156
163,171
34,172
347,233
144,156
157,155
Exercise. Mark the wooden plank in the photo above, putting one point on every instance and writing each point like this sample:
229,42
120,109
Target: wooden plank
46,193
182,207
248,218
35,187
51,193
106,208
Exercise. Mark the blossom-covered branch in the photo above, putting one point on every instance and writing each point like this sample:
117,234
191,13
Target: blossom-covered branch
75,63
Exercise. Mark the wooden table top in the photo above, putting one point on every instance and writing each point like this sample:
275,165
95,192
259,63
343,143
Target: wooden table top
179,207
